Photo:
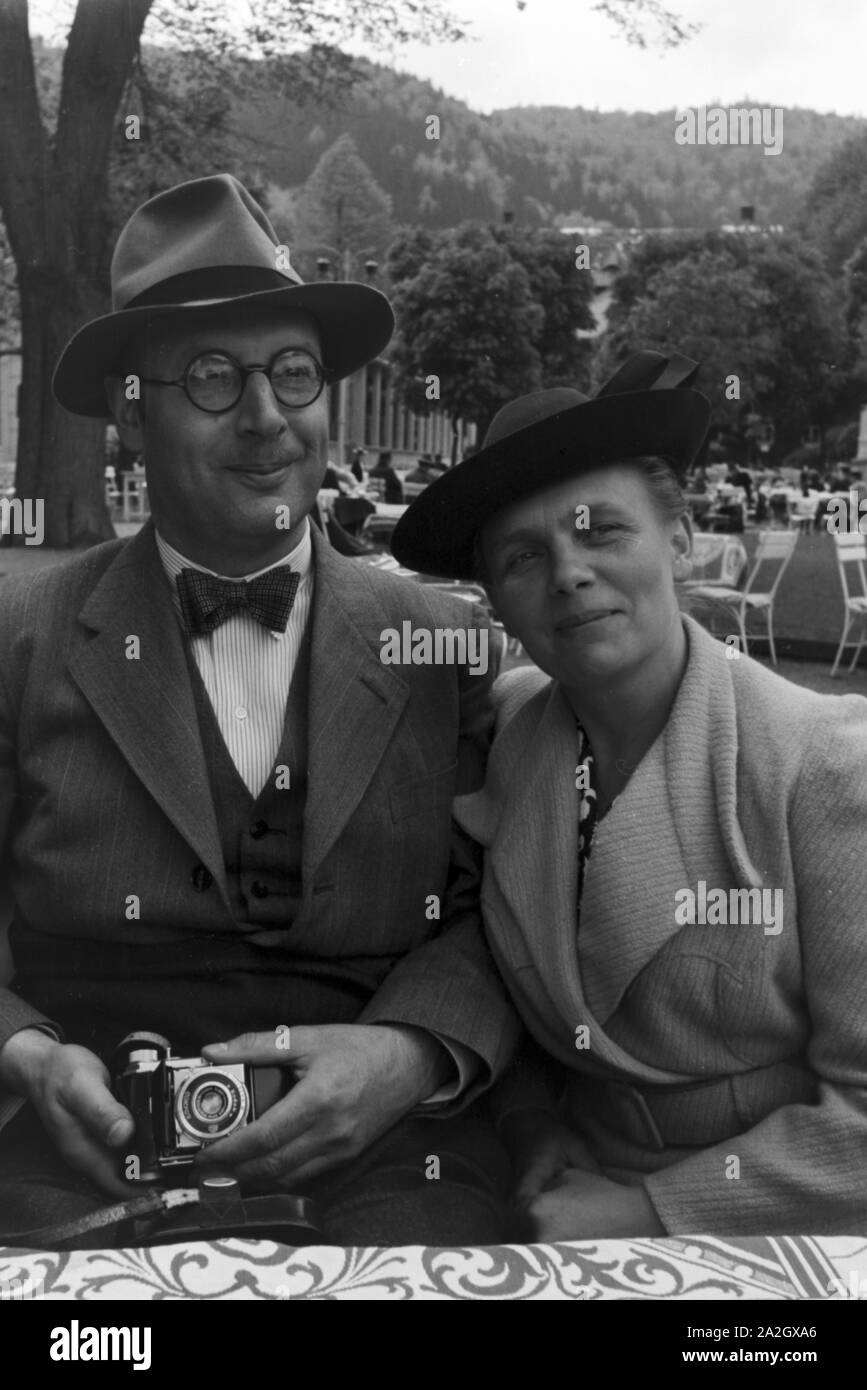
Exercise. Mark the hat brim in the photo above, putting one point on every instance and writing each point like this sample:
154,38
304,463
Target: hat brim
355,323
436,534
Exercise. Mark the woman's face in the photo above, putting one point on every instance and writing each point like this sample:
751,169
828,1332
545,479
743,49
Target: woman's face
593,601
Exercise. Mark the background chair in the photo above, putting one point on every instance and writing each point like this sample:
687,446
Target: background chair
775,548
134,496
350,513
718,559
851,548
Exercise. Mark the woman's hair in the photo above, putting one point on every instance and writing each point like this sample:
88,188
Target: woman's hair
662,484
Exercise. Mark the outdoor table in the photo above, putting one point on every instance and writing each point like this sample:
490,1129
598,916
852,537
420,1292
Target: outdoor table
380,524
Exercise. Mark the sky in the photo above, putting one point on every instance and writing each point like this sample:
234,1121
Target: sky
809,53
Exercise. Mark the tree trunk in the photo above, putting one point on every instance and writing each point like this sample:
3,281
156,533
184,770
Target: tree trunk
60,456
53,197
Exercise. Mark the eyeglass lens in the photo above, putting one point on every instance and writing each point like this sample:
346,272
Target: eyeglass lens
215,382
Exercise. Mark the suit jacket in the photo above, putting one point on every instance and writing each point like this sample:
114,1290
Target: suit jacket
104,790
724,1066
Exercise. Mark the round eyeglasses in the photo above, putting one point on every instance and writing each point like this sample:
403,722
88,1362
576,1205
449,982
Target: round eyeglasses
215,382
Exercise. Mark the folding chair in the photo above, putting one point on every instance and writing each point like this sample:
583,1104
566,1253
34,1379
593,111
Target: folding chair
851,548
775,547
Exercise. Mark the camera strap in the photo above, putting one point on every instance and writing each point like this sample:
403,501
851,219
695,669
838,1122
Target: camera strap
216,1210
67,1235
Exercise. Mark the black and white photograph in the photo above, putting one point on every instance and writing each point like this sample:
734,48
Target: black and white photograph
433,669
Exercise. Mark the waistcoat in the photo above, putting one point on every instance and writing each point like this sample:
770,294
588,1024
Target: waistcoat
261,836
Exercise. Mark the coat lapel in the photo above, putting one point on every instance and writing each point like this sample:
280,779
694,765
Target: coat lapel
534,855
674,824
355,701
532,868
624,920
146,703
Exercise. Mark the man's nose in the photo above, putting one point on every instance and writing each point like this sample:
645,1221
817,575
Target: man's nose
259,411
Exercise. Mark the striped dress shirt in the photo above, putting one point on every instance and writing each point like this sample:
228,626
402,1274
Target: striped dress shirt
246,669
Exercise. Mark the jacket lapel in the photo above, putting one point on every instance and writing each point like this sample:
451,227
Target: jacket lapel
146,702
534,855
674,824
624,920
355,701
533,862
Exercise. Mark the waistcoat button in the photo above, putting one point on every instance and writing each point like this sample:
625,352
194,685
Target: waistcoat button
259,890
258,829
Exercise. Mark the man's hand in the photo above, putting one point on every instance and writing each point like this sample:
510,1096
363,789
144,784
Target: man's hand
587,1206
354,1082
541,1148
67,1085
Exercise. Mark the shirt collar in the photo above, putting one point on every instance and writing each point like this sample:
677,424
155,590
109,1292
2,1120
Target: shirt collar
300,559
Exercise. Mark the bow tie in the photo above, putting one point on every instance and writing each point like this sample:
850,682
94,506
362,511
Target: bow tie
207,601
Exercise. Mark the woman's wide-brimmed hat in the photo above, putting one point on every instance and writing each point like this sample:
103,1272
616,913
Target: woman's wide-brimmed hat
195,248
647,407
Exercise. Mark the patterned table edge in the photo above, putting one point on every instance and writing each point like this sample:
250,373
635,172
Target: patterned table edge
688,1267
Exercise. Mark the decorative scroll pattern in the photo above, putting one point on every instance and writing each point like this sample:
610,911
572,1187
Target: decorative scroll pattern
689,1267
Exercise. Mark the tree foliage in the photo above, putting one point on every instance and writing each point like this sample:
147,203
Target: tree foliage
647,22
54,174
835,211
564,293
342,208
761,309
66,181
468,318
491,312
547,165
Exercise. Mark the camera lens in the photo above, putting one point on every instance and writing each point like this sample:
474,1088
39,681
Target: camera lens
211,1103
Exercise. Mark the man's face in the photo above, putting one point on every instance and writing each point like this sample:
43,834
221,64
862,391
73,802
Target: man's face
589,605
217,482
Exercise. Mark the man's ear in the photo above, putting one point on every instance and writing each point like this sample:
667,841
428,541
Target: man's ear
123,395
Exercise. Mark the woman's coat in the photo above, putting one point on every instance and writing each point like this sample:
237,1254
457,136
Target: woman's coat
722,1063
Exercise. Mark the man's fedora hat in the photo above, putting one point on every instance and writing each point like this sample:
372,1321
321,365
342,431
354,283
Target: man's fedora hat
203,244
647,407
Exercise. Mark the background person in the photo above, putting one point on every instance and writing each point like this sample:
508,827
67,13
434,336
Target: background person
424,471
384,473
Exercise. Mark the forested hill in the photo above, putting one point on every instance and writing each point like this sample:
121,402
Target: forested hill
545,164
548,165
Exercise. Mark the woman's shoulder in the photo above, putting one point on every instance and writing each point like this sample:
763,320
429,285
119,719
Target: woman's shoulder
779,714
513,689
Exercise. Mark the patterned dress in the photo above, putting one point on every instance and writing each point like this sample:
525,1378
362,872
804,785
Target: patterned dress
588,811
